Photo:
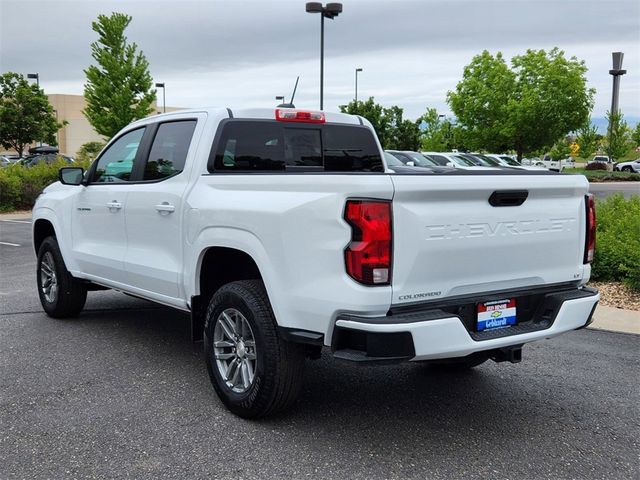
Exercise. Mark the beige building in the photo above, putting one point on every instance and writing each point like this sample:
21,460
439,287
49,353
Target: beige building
78,131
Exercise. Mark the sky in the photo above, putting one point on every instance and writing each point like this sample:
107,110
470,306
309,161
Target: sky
240,53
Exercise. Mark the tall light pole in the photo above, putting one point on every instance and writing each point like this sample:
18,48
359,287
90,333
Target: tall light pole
357,70
164,100
34,76
330,11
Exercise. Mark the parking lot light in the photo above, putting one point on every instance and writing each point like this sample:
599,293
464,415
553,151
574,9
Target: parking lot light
330,11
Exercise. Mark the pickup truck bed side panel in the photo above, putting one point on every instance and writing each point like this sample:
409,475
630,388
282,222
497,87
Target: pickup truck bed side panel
292,227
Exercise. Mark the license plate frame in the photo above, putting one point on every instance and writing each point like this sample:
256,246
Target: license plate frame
496,314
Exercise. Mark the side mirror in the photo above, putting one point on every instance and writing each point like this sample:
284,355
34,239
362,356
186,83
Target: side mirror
71,175
410,164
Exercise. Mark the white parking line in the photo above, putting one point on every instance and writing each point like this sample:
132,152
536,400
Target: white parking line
16,221
10,244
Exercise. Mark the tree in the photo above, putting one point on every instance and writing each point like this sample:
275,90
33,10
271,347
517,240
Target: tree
372,112
118,90
403,134
560,150
89,151
392,130
542,97
434,133
26,115
618,141
587,139
480,102
636,134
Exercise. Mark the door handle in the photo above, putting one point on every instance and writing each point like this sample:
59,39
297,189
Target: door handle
165,208
114,205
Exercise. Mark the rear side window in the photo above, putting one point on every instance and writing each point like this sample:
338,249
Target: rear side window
169,150
273,146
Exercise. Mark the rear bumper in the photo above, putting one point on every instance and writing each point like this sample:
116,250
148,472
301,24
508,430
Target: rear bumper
435,333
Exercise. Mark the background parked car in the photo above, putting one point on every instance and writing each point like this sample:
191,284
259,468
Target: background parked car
32,160
412,159
600,158
632,166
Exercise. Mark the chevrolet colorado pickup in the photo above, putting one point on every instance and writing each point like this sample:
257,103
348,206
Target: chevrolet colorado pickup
283,232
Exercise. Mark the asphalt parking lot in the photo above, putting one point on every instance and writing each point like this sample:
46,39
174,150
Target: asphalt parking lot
121,392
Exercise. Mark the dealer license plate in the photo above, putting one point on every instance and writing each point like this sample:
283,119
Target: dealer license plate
496,314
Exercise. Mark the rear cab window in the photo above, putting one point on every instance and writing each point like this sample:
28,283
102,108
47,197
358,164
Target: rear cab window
271,146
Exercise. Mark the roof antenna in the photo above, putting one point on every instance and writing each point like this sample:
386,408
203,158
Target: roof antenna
290,104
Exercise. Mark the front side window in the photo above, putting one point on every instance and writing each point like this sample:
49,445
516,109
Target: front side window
116,163
169,150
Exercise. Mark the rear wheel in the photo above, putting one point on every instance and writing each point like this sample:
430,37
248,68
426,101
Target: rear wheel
252,369
61,295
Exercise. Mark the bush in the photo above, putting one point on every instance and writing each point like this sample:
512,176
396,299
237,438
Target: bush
20,186
596,166
10,190
618,240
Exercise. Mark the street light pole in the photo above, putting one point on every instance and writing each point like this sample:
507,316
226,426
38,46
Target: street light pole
164,100
357,70
330,10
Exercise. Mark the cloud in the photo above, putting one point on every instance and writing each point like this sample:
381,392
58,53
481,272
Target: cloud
241,53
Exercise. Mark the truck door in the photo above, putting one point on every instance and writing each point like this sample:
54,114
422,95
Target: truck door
153,260
98,228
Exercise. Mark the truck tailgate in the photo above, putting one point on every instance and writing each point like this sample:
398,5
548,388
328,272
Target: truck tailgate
450,240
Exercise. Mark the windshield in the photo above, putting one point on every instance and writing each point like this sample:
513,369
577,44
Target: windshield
492,162
392,161
420,159
509,160
439,159
465,162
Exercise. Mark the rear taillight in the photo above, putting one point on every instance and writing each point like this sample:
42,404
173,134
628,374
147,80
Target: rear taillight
368,255
590,240
304,116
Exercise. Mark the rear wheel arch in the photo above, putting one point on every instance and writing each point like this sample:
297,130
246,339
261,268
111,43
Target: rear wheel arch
222,265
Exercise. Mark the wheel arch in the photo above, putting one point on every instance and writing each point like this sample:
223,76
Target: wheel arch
42,228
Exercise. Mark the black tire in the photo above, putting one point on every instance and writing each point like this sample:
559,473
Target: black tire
627,169
70,294
279,364
459,364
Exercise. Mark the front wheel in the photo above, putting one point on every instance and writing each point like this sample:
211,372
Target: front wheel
253,370
627,169
61,295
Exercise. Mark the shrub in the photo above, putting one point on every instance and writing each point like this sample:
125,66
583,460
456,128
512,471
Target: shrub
618,240
10,189
20,186
596,166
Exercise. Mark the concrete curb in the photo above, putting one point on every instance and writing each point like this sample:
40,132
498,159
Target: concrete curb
14,215
616,320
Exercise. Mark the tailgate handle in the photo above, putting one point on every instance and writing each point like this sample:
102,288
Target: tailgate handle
508,198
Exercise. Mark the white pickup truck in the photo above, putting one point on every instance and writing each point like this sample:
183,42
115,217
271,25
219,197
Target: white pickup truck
282,232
